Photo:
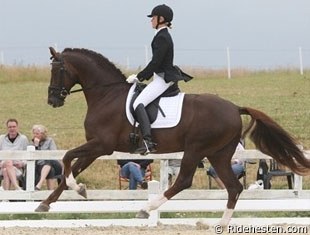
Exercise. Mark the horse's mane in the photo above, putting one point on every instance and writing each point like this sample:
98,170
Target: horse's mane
99,59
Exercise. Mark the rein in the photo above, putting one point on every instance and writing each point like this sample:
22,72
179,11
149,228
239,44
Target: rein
88,88
77,90
63,92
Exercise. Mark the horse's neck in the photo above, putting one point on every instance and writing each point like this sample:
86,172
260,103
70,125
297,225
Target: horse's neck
98,81
94,78
104,95
91,73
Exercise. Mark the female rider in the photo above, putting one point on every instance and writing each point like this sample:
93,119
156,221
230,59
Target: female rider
163,72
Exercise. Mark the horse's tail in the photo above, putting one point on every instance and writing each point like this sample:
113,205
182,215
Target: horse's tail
273,140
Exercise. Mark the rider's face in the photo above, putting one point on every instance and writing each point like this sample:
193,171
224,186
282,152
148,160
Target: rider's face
154,22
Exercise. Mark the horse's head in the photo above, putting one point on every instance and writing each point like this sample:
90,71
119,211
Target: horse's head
61,80
81,66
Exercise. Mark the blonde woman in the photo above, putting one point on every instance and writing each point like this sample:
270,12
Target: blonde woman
45,169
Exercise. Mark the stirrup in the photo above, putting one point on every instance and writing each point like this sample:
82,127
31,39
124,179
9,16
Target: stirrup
148,147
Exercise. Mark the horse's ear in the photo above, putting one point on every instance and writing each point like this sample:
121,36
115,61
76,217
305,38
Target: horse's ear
54,54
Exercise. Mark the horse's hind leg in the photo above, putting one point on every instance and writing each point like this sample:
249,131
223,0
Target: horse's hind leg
222,165
184,180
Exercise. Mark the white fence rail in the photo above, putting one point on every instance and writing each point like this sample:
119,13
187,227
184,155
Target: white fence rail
121,201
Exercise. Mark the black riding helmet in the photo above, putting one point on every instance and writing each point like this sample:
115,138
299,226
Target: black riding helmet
164,11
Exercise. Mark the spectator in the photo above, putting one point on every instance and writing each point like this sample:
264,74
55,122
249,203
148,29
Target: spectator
134,170
236,165
11,170
174,166
173,169
45,170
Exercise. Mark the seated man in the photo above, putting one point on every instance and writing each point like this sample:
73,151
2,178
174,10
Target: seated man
236,165
11,170
134,170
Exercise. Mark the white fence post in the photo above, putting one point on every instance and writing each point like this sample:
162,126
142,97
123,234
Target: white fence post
164,174
297,184
1,57
30,170
153,191
300,62
228,62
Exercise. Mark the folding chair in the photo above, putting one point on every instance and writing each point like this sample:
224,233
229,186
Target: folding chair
276,170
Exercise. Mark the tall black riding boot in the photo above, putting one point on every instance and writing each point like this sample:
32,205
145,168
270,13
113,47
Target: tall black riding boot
145,127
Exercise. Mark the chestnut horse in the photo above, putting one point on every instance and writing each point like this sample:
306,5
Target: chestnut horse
209,127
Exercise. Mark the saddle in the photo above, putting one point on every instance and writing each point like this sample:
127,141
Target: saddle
153,108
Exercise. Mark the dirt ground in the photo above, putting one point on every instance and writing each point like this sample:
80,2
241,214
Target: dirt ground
118,230
167,230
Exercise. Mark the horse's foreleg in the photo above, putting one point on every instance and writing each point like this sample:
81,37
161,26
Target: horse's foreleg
153,204
69,178
184,180
45,205
89,152
77,168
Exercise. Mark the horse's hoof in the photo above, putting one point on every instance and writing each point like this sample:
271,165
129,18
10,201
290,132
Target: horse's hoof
42,208
224,223
82,190
201,225
142,214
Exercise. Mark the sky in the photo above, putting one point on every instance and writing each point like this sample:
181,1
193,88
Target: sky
255,33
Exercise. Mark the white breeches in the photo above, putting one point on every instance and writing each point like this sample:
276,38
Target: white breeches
154,89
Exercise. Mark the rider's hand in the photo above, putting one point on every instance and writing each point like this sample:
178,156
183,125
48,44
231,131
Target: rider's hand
132,78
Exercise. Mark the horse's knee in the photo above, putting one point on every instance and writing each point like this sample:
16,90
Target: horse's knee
183,183
235,190
187,183
240,188
177,187
233,195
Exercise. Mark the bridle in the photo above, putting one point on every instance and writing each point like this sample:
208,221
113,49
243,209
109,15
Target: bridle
61,91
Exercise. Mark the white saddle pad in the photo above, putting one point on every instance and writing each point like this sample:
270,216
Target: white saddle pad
171,106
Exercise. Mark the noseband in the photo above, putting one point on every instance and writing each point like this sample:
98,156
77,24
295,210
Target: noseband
59,91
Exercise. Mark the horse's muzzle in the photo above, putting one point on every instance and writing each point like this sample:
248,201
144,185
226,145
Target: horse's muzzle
56,96
55,102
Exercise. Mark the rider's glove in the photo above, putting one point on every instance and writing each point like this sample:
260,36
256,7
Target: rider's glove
132,78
